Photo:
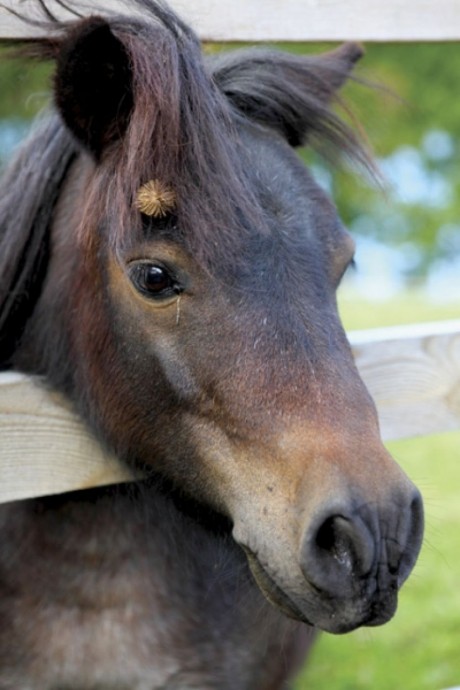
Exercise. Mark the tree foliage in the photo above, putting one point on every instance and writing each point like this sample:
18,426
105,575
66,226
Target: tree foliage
412,117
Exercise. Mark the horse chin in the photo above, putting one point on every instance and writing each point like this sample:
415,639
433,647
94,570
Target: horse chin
274,594
377,614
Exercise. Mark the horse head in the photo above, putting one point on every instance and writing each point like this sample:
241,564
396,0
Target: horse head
189,304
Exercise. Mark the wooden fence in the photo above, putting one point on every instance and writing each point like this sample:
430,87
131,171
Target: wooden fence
300,20
413,372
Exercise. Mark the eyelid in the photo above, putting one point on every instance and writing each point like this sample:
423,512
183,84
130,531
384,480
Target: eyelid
347,251
350,265
353,264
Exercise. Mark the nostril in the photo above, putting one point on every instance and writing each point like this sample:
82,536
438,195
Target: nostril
337,550
333,538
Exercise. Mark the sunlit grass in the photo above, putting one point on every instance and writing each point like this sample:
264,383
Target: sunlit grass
410,307
419,648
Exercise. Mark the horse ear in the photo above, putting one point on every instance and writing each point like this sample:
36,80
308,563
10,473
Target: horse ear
93,84
289,93
334,68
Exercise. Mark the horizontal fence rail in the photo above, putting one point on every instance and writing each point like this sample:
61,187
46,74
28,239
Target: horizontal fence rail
45,448
412,372
298,20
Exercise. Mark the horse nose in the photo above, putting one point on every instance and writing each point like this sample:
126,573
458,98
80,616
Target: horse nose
345,547
411,536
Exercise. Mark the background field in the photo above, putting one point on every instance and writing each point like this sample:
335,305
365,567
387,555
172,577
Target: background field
420,648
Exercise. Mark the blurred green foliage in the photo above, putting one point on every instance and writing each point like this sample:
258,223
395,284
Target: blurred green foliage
24,86
411,92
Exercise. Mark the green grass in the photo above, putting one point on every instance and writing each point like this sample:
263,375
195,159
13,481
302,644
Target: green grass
411,307
419,648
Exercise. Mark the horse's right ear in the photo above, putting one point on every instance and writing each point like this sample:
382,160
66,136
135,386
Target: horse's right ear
93,84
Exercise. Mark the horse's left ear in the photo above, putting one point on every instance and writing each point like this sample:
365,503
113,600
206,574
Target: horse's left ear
289,93
93,84
334,68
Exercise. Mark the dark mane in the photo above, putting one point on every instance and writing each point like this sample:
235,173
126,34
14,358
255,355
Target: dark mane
30,188
182,129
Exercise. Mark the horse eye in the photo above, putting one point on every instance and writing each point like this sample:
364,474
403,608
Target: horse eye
154,280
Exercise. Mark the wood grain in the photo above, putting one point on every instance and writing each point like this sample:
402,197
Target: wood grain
413,373
44,447
301,20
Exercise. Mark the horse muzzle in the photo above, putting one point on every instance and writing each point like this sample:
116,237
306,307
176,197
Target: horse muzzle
352,559
331,526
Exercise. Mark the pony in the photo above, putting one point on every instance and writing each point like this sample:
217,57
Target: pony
170,265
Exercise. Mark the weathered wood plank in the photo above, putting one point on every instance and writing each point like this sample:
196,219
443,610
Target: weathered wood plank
305,20
44,447
413,373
